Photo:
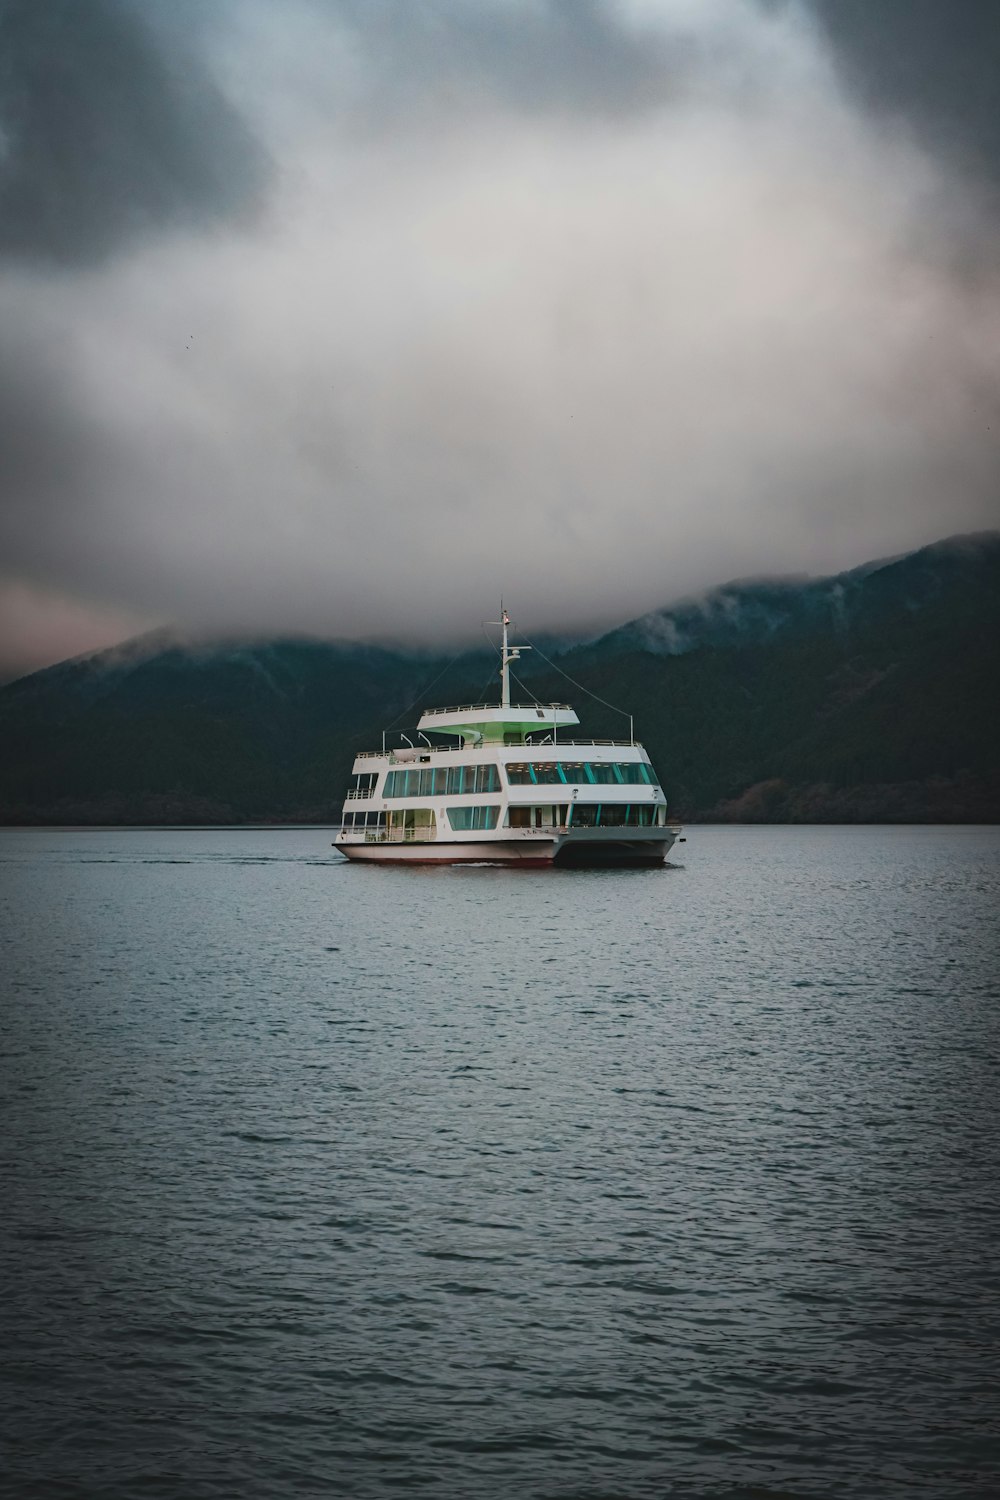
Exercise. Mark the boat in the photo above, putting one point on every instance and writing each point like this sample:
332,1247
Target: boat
511,786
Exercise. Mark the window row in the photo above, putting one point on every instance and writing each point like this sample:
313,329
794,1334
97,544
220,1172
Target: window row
588,815
467,819
442,781
618,815
462,819
596,773
351,820
450,781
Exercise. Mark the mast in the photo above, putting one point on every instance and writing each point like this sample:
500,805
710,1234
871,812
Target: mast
508,654
506,657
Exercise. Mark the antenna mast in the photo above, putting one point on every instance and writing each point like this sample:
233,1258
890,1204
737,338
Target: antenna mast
507,656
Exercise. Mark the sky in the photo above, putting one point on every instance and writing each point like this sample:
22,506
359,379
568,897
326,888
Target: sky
345,317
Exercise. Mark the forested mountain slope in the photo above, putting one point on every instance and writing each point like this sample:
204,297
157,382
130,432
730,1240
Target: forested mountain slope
871,696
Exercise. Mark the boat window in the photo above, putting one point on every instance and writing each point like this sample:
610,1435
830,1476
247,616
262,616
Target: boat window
580,773
545,816
406,823
547,773
618,815
442,781
535,773
622,772
635,773
464,818
363,819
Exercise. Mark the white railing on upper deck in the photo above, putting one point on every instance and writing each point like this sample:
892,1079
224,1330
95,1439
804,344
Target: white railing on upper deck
470,708
359,792
412,760
552,745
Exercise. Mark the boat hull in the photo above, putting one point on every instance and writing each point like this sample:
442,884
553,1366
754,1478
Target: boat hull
625,853
564,850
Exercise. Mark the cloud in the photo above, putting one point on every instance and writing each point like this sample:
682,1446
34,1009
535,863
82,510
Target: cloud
934,65
108,133
592,304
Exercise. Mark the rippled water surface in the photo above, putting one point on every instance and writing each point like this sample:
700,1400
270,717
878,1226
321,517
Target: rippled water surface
348,1181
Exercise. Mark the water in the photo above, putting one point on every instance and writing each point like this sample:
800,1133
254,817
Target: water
348,1181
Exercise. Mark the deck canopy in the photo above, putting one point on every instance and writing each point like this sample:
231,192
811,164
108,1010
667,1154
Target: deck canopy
479,723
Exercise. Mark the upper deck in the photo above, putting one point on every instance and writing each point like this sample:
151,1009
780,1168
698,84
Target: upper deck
549,748
503,724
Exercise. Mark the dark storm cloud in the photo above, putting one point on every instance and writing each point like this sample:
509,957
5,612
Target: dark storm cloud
592,301
937,64
45,443
545,56
108,133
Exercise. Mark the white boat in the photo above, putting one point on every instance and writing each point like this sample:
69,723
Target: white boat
515,789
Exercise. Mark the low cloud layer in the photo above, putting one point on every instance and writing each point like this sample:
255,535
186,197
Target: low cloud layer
108,134
591,303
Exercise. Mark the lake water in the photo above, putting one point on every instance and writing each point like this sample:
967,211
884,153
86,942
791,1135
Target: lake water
331,1180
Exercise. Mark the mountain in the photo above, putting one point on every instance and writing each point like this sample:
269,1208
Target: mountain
758,611
166,731
867,697
870,696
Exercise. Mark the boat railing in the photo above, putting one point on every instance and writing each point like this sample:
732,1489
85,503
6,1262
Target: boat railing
400,836
568,744
409,758
468,708
355,792
548,745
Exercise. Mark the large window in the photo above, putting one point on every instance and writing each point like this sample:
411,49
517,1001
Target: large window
585,773
462,819
618,815
410,824
547,773
635,773
549,815
442,781
360,820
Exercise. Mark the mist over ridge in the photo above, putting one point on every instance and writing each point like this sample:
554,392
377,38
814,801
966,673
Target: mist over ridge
361,315
738,612
865,697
